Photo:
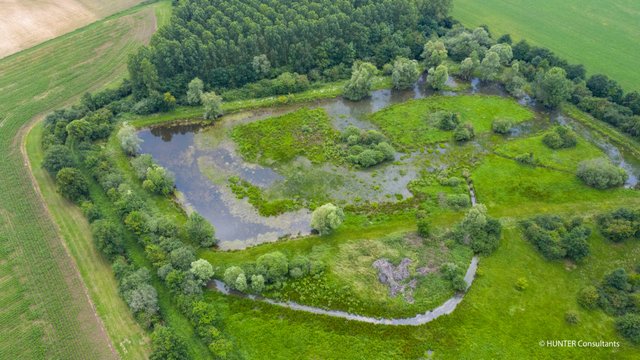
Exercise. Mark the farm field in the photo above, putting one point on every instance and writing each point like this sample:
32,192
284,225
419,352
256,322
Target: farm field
29,22
46,312
602,35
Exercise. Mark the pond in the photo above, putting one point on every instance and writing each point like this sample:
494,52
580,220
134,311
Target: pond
203,158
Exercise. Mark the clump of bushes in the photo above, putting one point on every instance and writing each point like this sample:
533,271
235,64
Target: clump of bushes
620,225
445,120
155,178
601,174
501,126
527,159
327,218
560,137
366,148
464,132
556,238
72,184
458,201
479,231
455,275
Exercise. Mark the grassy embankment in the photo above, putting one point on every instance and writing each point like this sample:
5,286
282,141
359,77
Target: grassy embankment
600,35
45,312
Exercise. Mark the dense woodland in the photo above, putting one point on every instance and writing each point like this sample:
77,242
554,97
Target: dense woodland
228,43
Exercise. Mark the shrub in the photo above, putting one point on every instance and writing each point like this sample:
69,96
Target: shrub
560,137
327,218
629,327
56,158
464,132
165,344
601,174
159,181
199,230
437,77
620,225
458,283
299,266
129,140
182,257
274,266
90,211
231,276
588,297
501,126
212,104
359,85
571,317
555,238
405,73
72,184
202,270
446,120
424,226
522,284
526,159
478,230
458,201
194,91
107,238
257,283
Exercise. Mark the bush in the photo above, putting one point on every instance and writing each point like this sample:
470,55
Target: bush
200,231
588,297
620,225
327,218
182,257
165,344
129,140
446,120
274,266
202,270
479,231
107,238
560,137
458,201
231,276
90,211
405,73
629,327
212,104
56,158
522,284
571,317
501,126
72,184
257,283
141,164
601,174
555,238
424,226
464,132
526,159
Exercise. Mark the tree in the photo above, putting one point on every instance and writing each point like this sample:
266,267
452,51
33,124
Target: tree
560,137
182,257
490,66
467,66
405,73
601,86
231,275
159,180
632,101
601,174
129,140
212,105
479,230
241,282
200,230
629,326
57,157
446,120
79,131
107,238
359,85
202,270
588,297
261,65
327,218
166,345
437,78
434,53
72,184
504,51
257,283
274,266
553,87
194,91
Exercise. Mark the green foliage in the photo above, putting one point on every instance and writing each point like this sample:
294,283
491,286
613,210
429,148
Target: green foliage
273,266
405,73
434,53
458,201
464,132
490,66
72,184
202,270
560,137
437,77
366,148
159,180
601,174
629,326
446,120
244,189
79,131
588,297
359,86
467,67
501,126
199,230
620,225
107,238
571,317
166,345
556,238
141,164
423,223
522,284
231,275
257,283
553,87
212,104
504,52
129,140
195,91
327,218
182,257
57,157
479,231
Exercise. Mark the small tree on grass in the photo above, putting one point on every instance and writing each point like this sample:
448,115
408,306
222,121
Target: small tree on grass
359,85
490,66
166,345
129,140
464,132
72,184
437,78
231,275
446,120
200,230
553,87
274,266
202,270
194,91
107,238
601,174
327,218
212,105
405,73
434,53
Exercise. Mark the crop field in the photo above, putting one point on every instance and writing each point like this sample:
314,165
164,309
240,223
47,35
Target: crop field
45,310
602,35
30,22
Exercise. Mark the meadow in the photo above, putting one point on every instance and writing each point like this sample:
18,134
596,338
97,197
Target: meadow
46,309
600,35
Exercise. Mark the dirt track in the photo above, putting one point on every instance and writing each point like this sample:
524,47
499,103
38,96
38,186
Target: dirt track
25,23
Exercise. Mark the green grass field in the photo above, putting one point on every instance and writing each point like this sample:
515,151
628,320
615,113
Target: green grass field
44,311
602,35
